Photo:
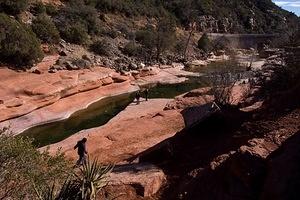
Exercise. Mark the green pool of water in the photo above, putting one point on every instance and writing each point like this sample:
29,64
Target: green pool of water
100,113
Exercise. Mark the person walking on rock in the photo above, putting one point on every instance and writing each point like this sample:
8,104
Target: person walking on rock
81,150
137,97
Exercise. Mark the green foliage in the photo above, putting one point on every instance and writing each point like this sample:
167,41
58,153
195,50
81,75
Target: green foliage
76,21
102,47
166,35
204,43
131,7
22,166
84,184
112,33
147,37
39,8
131,49
18,44
13,7
26,173
45,29
51,9
159,38
221,43
69,190
92,177
75,33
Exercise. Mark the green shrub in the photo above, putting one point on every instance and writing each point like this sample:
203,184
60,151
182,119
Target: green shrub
147,37
45,29
76,12
13,7
131,49
221,43
102,47
39,8
22,166
51,9
76,34
166,35
204,43
159,38
83,184
18,44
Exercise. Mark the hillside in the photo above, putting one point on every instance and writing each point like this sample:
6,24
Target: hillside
122,34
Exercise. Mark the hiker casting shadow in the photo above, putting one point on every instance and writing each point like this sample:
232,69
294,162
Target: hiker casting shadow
81,150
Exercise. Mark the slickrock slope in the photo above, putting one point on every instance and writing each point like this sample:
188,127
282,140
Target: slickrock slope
32,98
23,92
134,130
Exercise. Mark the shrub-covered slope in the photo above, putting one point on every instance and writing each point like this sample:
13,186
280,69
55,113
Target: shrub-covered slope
144,29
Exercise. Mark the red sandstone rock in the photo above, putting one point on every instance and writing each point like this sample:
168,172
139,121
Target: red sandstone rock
134,130
147,178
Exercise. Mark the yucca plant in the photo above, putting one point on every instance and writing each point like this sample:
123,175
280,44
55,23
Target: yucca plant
68,191
92,177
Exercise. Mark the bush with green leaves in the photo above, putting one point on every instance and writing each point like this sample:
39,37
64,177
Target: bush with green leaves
221,43
45,29
159,38
76,21
38,8
204,43
13,7
131,49
102,47
166,35
18,44
84,183
22,166
75,33
51,9
147,37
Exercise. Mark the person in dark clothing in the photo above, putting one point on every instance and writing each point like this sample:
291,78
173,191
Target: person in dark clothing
81,150
137,97
146,94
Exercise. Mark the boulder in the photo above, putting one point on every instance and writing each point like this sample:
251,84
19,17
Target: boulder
197,63
198,92
63,53
133,66
70,66
35,70
135,73
52,71
107,81
146,178
86,57
149,71
119,78
186,102
82,64
15,102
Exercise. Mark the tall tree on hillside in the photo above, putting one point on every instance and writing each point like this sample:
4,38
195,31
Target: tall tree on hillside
165,35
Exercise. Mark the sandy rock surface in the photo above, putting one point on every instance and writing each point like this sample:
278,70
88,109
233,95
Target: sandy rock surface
132,131
195,97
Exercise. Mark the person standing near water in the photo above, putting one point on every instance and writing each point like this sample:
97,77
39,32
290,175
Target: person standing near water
81,150
137,97
146,94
